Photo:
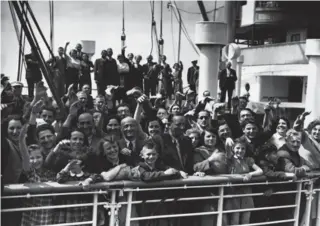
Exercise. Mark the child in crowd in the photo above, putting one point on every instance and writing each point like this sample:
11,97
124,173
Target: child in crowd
150,170
239,164
73,172
38,174
194,135
35,172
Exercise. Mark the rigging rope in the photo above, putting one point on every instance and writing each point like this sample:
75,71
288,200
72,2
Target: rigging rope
51,9
20,36
185,31
172,34
152,24
123,35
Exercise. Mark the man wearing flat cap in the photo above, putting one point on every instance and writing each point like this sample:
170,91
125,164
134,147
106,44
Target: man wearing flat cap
193,75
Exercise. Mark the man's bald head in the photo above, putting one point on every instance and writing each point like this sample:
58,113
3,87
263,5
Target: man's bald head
129,128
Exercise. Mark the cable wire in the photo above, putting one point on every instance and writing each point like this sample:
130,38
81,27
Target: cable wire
185,31
172,34
152,20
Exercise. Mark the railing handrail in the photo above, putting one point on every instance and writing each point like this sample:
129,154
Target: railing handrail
50,187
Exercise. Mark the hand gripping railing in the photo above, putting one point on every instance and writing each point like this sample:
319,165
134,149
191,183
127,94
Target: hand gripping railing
122,202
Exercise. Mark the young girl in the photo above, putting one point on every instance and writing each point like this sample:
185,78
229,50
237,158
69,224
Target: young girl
73,172
238,164
67,150
36,174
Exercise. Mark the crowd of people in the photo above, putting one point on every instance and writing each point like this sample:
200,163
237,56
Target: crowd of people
143,125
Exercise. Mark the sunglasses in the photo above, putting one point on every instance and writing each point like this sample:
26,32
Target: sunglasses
203,117
17,87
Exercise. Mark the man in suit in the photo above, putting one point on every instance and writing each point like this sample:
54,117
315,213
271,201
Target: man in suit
150,72
132,141
177,151
227,78
193,75
33,72
59,66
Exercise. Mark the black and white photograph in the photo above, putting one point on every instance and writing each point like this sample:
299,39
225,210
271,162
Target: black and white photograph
160,113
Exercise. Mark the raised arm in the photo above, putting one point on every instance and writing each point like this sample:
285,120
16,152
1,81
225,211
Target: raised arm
24,149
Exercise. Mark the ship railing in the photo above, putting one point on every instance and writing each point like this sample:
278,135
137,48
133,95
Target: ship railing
181,199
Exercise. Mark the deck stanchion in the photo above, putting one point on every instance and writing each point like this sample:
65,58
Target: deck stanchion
112,208
307,213
129,208
95,210
318,206
298,200
220,207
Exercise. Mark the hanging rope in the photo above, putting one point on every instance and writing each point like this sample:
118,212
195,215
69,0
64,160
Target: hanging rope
51,9
123,35
152,24
21,41
185,31
172,34
161,41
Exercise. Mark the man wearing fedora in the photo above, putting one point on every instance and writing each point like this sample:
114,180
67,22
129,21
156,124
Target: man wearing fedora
193,75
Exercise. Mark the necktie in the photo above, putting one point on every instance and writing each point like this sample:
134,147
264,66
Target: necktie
178,151
130,146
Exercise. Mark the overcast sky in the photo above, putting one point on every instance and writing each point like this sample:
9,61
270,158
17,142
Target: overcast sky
102,22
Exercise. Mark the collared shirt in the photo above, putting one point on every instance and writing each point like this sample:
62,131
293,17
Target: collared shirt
133,143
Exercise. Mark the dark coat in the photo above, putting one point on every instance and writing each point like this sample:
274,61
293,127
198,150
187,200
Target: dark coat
135,158
227,82
156,174
33,69
193,75
170,155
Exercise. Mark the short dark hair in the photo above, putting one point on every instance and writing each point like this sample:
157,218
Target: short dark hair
44,127
5,123
86,142
248,109
284,119
248,121
123,105
197,115
47,108
157,120
313,124
241,140
210,130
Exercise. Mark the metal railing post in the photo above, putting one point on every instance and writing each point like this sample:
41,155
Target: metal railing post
129,208
298,200
318,206
95,210
112,208
220,207
307,214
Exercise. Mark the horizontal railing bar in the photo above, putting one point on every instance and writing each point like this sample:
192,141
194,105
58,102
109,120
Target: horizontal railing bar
206,186
190,182
205,197
267,223
204,213
46,207
174,216
257,209
51,207
70,224
54,194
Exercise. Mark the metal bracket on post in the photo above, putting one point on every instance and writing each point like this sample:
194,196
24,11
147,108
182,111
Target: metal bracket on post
114,209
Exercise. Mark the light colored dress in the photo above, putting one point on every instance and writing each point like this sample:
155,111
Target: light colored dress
240,166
